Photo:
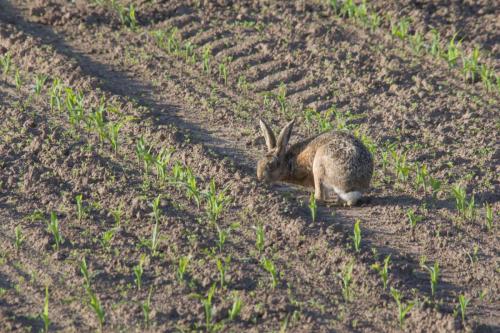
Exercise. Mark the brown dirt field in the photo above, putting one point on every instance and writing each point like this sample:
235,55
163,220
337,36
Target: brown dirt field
282,60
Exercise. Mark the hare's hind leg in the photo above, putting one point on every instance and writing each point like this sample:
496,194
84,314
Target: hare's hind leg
351,198
323,191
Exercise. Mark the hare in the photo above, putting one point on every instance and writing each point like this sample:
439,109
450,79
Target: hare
333,161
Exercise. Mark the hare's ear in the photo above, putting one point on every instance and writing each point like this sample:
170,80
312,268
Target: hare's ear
284,137
268,135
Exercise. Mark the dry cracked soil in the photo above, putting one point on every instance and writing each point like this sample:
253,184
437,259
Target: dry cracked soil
128,143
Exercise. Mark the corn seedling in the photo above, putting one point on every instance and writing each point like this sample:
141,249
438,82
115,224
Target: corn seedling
45,313
113,130
55,95
269,267
348,9
489,216
6,62
189,55
435,48
222,267
95,304
346,278
235,310
97,121
313,207
161,163
126,15
53,228
223,72
242,83
453,51
470,65
259,238
106,238
417,42
85,273
400,29
143,154
79,206
208,306
465,208
146,308
486,75
281,97
421,175
193,193
383,271
117,214
374,21
463,303
434,276
74,106
356,238
19,237
402,167
413,219
215,202
18,80
39,83
182,267
139,271
435,186
155,204
403,309
207,53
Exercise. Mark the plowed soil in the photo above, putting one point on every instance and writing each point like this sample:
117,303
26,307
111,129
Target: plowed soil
270,59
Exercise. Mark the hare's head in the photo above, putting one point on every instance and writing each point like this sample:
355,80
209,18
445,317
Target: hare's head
273,165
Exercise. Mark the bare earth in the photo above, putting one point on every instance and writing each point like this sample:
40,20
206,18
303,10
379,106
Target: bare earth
322,65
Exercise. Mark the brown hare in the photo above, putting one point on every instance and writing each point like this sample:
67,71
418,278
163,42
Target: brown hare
332,162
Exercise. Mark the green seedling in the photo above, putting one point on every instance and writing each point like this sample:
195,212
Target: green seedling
489,216
242,83
465,208
281,97
53,228
356,238
97,122
192,190
143,154
435,186
39,83
117,214
400,29
215,202
173,43
348,9
55,95
374,21
126,15
223,72
222,267
417,43
79,206
189,55
269,267
18,80
85,273
470,65
421,176
208,306
19,237
161,163
486,75
74,106
207,53
139,271
106,238
113,130
383,270
235,310
435,48
259,238
45,313
182,267
413,219
463,303
95,304
146,308
434,276
223,234
313,207
346,278
6,62
402,167
403,309
453,51
155,205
